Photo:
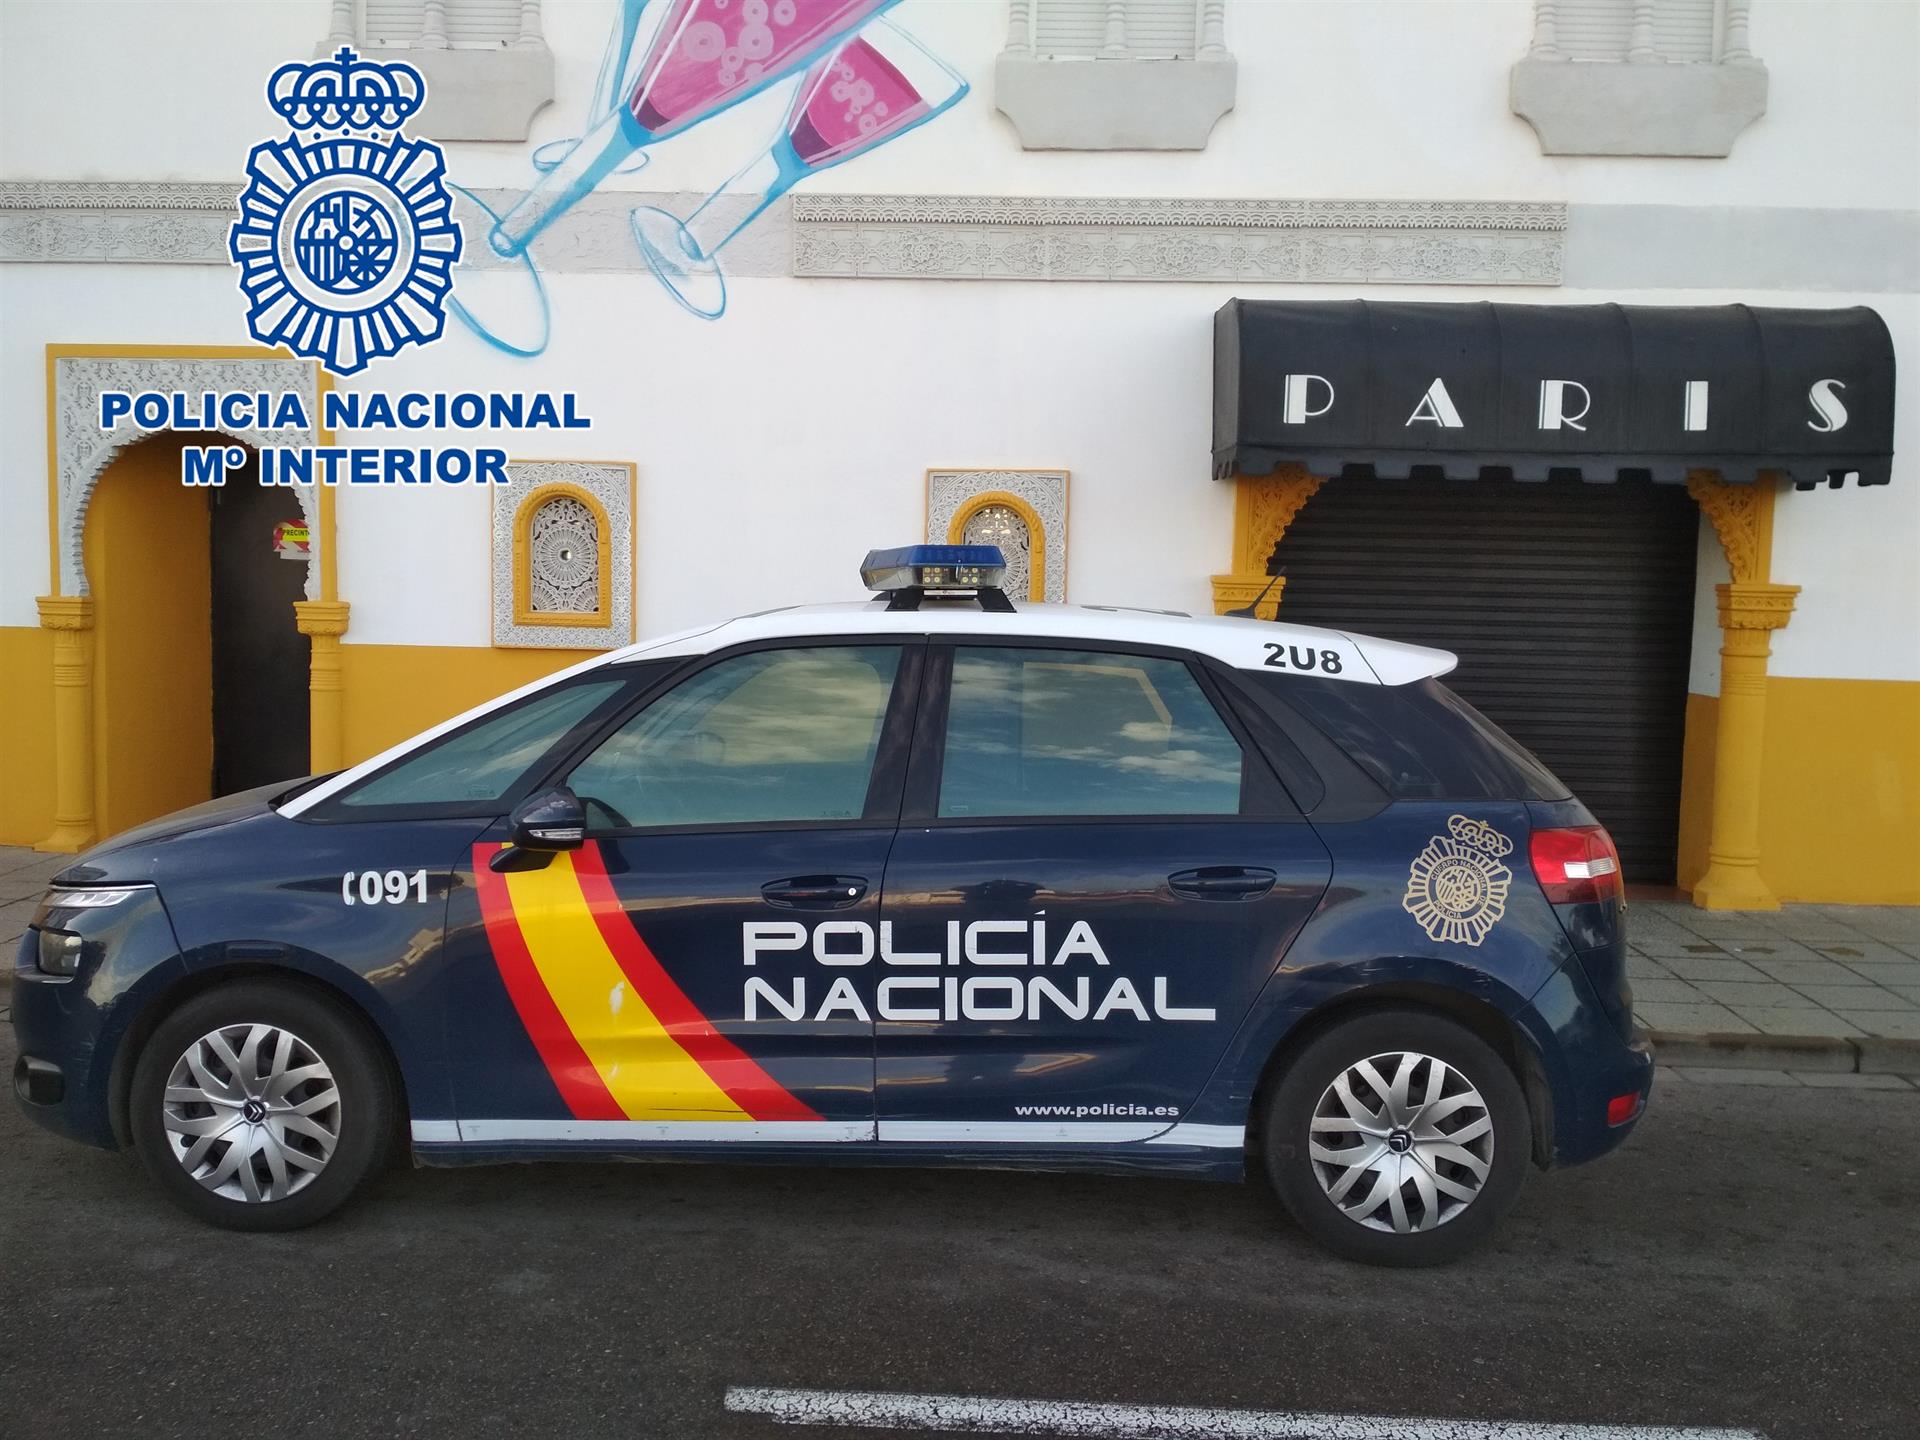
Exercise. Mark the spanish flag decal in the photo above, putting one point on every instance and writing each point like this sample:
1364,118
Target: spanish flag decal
621,1040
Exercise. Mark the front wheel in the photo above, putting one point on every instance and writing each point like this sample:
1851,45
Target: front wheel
261,1106
1398,1138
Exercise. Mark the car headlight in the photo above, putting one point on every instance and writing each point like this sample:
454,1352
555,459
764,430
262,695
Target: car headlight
90,899
60,949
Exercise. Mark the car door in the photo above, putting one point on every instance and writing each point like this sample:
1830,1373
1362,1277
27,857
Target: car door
697,971
1095,874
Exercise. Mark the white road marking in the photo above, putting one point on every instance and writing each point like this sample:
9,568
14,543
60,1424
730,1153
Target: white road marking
872,1410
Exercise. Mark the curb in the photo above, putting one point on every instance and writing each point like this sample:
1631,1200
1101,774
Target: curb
1862,1055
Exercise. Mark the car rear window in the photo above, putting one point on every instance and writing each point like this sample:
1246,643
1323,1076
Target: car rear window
1419,741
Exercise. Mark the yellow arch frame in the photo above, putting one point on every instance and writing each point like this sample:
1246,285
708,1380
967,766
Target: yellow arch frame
1036,531
71,617
601,617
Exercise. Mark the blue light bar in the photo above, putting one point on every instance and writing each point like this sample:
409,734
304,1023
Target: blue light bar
949,569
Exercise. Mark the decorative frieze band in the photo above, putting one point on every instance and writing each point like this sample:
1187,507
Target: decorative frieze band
942,237
1313,241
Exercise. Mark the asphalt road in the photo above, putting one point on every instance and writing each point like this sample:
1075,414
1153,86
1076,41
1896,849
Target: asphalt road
1751,1259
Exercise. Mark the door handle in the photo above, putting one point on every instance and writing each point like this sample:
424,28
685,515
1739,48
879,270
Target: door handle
1223,882
815,892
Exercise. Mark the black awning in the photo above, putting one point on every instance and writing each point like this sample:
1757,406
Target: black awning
1533,391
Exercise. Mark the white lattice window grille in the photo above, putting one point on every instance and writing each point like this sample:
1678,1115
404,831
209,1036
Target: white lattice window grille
563,559
1162,74
486,62
1640,77
1006,527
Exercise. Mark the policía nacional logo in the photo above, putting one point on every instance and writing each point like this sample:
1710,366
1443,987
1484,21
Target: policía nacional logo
1457,887
346,239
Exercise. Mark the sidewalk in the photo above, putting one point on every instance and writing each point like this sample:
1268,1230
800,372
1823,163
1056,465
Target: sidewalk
1809,990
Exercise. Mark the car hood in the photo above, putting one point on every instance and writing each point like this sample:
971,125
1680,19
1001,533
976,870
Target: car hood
126,857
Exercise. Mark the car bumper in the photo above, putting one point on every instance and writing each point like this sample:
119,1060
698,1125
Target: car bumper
1598,1077
69,1029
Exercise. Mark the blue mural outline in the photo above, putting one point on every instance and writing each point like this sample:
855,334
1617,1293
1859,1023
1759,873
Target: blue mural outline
690,270
608,143
473,323
609,89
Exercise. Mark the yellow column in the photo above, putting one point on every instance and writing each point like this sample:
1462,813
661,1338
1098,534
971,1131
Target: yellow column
324,622
1263,507
70,617
1751,609
1749,614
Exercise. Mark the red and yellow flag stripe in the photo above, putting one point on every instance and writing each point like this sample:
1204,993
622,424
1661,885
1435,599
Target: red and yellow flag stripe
621,1040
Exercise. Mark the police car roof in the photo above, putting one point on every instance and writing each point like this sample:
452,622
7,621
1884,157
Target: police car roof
1248,644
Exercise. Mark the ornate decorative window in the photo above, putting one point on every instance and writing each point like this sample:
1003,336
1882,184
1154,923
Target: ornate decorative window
1024,512
1115,74
486,62
1639,77
565,558
563,555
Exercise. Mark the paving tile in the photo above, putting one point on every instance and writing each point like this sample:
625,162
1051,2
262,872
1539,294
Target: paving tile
1713,967
14,917
1691,1019
1855,997
1795,1020
1664,949
1887,972
1777,949
1763,993
1850,1082
1890,1024
1726,1075
1852,952
1666,1075
1810,972
1639,967
1907,992
1667,992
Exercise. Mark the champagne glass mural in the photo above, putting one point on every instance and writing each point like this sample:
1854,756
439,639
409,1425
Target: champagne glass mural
874,88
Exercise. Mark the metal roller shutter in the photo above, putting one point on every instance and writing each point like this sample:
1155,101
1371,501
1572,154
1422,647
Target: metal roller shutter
1570,606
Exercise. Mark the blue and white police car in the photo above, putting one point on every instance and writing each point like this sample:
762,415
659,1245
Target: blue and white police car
932,878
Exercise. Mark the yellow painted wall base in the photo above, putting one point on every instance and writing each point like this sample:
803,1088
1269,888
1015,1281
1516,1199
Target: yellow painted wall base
26,734
1840,797
393,691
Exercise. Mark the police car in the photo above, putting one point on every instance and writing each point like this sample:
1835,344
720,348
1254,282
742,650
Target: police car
932,879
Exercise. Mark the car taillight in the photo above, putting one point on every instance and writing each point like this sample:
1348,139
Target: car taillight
1577,864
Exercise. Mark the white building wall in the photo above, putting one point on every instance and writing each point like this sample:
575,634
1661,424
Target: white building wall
775,446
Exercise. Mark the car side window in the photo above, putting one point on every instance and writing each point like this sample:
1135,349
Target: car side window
773,736
1033,732
481,765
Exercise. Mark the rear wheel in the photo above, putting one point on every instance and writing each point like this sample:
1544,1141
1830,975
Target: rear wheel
261,1106
1398,1138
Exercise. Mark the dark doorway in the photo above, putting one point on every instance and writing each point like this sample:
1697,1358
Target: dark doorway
260,716
1570,606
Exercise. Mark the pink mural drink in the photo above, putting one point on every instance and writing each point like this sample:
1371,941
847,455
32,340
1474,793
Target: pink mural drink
705,56
874,88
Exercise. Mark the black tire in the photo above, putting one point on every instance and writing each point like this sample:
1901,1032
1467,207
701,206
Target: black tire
362,1115
1457,1226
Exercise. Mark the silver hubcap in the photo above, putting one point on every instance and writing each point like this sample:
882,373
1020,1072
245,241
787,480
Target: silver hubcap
1401,1142
252,1112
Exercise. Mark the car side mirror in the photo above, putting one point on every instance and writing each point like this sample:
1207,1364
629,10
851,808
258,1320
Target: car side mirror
549,822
